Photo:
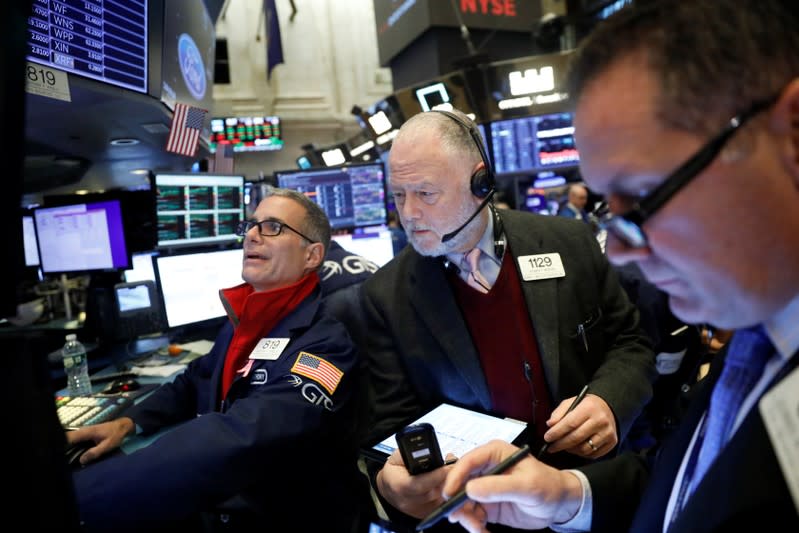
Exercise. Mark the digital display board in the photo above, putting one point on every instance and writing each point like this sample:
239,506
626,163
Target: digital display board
198,208
351,196
529,144
99,39
246,134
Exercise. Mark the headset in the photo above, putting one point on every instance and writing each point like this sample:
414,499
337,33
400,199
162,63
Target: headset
482,181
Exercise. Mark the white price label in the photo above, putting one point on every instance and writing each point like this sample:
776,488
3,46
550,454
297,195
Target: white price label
47,82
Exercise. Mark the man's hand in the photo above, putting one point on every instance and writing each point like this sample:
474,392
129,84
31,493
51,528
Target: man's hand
107,437
417,495
529,495
588,431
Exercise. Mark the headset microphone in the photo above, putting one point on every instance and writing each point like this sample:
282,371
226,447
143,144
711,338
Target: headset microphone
452,234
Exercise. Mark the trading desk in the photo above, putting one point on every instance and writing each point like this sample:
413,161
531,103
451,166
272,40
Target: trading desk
112,393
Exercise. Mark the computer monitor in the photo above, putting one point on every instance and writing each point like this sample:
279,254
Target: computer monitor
29,241
351,196
198,208
190,284
373,244
82,237
529,144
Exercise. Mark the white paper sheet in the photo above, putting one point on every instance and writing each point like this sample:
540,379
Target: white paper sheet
459,430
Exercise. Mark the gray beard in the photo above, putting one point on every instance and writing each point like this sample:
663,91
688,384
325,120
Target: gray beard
457,243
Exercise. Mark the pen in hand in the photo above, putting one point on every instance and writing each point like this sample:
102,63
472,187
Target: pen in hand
577,400
460,498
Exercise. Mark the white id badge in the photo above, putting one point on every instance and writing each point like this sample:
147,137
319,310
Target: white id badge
269,349
541,266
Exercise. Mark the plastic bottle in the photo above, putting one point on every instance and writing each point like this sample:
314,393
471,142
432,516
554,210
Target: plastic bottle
76,367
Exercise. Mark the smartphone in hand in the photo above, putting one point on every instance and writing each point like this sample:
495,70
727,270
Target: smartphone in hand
419,448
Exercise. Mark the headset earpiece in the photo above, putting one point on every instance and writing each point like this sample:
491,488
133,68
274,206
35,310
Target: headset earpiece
482,183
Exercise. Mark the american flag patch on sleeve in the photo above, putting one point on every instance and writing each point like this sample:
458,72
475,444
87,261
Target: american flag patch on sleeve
319,370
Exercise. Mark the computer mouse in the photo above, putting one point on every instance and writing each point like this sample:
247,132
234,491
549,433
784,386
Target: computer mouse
119,386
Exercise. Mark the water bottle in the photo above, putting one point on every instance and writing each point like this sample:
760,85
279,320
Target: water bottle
76,367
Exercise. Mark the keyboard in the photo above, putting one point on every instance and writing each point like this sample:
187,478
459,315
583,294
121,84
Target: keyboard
76,411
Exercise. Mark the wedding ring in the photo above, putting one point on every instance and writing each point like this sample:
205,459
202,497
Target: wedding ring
591,444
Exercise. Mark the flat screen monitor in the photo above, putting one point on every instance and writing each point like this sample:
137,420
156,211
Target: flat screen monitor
190,284
374,244
81,237
530,144
29,241
198,208
246,134
104,41
352,196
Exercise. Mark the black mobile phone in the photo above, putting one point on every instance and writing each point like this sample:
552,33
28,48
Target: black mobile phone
419,448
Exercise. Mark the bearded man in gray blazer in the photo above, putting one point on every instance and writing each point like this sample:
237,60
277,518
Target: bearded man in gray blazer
498,311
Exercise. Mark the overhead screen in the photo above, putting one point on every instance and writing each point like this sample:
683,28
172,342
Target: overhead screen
246,134
197,209
352,196
530,144
104,41
81,238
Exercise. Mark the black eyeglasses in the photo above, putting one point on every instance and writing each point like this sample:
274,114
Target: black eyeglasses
268,228
628,227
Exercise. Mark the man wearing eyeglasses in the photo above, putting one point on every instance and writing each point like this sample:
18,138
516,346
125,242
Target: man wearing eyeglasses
249,419
687,119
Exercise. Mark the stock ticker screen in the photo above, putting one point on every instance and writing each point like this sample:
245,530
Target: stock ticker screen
530,144
198,208
352,196
104,41
246,134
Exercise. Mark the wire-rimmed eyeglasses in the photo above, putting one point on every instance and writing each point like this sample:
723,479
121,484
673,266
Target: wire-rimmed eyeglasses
628,226
268,228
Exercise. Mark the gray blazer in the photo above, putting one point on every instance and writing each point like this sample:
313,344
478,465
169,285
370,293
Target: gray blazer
419,351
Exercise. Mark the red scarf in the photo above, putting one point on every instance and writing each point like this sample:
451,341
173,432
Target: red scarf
257,314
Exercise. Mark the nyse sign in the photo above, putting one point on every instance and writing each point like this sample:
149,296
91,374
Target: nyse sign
506,8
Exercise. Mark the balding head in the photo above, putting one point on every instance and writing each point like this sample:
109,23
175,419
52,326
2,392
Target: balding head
578,195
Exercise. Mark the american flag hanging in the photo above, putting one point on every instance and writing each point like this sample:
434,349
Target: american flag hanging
184,134
319,370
